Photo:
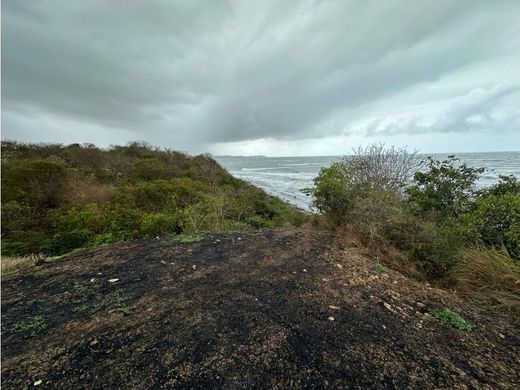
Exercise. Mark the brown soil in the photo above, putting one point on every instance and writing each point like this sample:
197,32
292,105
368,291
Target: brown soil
272,309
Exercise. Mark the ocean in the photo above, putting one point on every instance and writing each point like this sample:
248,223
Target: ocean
286,176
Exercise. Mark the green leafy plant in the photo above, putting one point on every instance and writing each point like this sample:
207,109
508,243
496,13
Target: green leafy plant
450,317
495,221
445,189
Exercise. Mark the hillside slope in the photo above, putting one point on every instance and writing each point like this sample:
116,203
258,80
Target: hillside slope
266,309
58,198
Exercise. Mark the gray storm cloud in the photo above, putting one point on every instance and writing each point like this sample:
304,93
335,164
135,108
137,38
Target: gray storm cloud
192,73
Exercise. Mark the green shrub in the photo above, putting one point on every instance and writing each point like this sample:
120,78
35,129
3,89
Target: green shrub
65,242
92,217
154,195
35,183
506,185
332,193
150,169
436,246
377,173
445,189
123,224
160,224
495,221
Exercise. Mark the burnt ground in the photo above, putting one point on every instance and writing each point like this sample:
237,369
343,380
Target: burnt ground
271,309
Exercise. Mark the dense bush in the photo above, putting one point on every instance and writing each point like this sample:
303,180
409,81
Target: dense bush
160,224
431,219
333,192
58,198
373,178
444,188
495,221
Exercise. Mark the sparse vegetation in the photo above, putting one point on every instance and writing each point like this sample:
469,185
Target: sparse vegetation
450,317
33,326
58,198
86,299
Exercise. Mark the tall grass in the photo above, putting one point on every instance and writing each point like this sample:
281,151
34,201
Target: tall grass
488,274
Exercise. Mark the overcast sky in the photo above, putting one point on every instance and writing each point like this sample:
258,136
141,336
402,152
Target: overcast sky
263,77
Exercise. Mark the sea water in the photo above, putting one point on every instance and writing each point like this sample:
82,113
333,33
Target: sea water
285,177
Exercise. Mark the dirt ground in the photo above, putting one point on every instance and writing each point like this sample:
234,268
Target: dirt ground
270,309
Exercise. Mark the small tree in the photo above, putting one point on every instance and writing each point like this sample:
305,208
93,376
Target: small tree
375,172
445,188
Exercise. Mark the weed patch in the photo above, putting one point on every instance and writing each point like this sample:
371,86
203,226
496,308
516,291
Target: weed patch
84,297
452,318
33,325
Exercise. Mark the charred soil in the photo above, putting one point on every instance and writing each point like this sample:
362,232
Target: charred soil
268,309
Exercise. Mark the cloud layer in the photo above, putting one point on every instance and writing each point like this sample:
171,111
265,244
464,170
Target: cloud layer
216,76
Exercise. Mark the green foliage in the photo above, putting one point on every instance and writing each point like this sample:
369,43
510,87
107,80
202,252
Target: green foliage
160,224
149,169
35,183
439,214
332,193
65,242
34,325
436,247
451,318
506,185
59,198
445,189
84,296
495,221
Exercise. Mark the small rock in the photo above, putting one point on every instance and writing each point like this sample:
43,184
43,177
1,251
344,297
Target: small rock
420,304
163,262
304,270
94,342
502,336
239,238
331,318
92,280
384,327
38,382
194,266
339,266
113,280
100,273
333,307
